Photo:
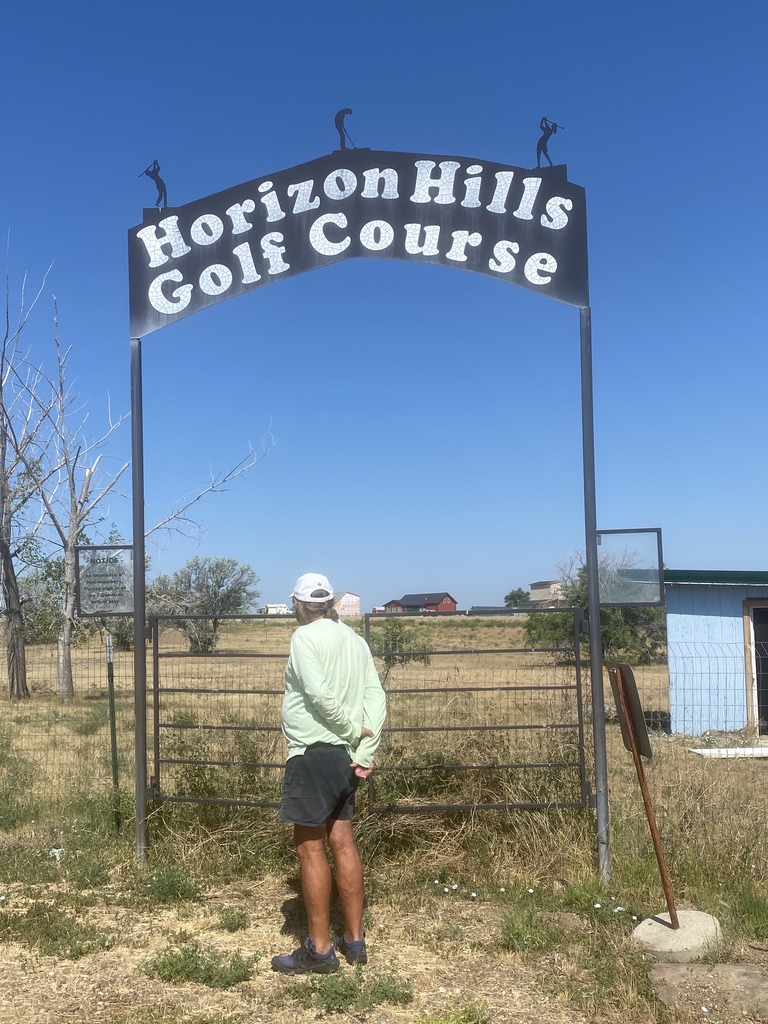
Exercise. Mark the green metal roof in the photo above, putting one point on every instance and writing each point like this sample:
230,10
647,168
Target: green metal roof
723,577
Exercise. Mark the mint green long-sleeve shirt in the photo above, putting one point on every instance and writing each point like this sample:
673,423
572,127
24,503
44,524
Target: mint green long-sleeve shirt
332,691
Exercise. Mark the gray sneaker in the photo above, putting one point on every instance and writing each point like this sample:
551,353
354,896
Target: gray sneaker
353,950
306,960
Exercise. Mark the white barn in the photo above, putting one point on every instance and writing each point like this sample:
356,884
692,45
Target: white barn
347,604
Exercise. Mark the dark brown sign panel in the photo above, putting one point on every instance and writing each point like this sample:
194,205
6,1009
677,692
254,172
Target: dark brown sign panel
634,709
526,227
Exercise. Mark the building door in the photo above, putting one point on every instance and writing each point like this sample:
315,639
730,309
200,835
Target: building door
760,632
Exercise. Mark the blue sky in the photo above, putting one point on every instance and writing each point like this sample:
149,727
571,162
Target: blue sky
428,423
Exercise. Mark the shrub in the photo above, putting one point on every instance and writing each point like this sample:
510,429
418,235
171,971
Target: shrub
397,643
633,634
122,632
234,919
170,884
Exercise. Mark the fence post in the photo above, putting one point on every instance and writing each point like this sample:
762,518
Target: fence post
593,598
113,735
139,601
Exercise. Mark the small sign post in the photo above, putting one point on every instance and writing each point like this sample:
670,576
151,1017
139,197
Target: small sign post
634,732
104,589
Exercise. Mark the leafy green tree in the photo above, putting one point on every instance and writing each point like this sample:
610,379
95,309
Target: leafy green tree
396,642
516,597
42,587
211,587
41,601
634,634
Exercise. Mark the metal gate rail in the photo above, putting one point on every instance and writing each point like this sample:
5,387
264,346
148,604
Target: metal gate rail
217,736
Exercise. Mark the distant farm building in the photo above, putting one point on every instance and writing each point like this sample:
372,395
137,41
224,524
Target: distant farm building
276,609
440,601
347,604
546,592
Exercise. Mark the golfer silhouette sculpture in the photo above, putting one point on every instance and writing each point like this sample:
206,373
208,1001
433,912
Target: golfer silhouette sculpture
343,133
548,129
153,172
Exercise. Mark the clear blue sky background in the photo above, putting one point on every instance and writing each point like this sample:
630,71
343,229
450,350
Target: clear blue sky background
429,421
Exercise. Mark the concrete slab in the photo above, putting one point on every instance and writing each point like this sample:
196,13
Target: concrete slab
698,935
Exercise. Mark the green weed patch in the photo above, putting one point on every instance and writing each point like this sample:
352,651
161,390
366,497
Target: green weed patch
52,932
188,960
347,993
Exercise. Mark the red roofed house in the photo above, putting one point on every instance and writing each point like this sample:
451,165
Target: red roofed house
438,602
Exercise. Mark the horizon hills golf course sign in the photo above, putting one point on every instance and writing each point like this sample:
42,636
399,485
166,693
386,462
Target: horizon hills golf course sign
525,227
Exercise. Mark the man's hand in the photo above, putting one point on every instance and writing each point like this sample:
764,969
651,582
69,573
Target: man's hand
360,772
363,733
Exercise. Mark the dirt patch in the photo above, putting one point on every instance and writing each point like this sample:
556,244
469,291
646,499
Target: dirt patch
446,951
717,992
447,956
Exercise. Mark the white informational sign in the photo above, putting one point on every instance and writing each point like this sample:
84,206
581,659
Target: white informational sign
104,580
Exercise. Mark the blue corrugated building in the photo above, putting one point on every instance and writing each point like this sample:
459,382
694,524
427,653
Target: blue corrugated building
717,638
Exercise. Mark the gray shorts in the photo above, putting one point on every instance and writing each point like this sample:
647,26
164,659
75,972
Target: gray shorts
319,784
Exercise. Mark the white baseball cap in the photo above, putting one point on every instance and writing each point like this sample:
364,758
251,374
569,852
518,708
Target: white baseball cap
307,584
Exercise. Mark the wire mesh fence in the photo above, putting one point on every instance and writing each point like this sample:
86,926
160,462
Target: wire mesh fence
216,722
476,719
55,752
480,719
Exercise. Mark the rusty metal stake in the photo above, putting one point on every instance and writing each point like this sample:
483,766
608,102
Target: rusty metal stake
647,801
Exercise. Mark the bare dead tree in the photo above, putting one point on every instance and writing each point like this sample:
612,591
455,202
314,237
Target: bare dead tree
178,518
72,485
23,433
48,457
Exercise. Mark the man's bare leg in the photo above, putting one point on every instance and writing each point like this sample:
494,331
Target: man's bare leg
349,876
315,883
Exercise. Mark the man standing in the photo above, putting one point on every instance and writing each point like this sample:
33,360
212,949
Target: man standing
341,128
333,713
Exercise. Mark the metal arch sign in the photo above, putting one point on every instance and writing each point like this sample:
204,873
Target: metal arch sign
525,227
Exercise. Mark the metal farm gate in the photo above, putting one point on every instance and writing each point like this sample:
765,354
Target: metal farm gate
476,718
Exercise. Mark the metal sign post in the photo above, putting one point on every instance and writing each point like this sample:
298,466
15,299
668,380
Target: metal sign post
139,601
593,598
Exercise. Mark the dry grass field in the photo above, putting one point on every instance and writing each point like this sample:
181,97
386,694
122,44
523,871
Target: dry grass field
481,700
474,916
